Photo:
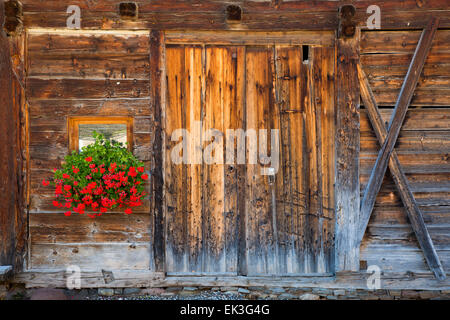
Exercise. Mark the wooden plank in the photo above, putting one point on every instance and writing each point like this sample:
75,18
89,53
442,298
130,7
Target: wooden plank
291,186
261,245
213,174
89,66
317,38
400,257
395,124
157,181
49,228
266,19
410,204
55,109
85,42
401,42
421,97
426,119
194,81
211,5
324,93
174,206
233,113
139,278
420,163
411,142
94,89
347,154
135,255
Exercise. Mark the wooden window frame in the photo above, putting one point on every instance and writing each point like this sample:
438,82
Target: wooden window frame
74,122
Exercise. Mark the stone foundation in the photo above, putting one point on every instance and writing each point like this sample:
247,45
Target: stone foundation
251,293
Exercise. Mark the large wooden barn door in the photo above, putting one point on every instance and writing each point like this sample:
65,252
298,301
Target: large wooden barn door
226,216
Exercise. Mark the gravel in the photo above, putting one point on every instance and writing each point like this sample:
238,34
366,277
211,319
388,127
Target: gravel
203,295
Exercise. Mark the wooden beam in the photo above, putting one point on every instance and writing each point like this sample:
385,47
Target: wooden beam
147,279
156,65
401,107
8,151
412,209
211,15
347,154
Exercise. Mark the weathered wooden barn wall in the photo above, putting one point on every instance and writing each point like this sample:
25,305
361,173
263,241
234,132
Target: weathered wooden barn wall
228,218
97,74
68,75
423,149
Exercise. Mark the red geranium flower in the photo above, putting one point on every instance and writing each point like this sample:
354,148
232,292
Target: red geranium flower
45,183
144,176
88,159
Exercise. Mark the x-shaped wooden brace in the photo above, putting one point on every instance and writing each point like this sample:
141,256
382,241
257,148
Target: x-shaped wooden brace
387,154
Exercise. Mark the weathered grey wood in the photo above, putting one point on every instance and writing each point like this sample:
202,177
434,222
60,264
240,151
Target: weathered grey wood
414,213
143,278
401,107
6,273
347,155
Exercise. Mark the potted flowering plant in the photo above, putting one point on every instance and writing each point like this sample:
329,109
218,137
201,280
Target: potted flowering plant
102,176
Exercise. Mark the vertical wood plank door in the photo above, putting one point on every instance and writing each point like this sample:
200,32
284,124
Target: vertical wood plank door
249,159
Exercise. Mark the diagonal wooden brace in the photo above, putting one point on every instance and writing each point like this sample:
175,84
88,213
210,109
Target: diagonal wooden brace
401,107
412,209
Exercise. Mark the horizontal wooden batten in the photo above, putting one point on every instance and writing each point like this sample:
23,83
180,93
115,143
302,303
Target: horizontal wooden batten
74,89
423,163
314,38
89,66
90,107
394,215
118,255
400,257
312,17
412,142
68,41
401,41
425,119
418,182
144,278
49,228
210,5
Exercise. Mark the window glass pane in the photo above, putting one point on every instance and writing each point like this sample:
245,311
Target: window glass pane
116,131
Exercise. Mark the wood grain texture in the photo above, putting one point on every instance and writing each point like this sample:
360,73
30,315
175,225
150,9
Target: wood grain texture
13,151
88,76
157,181
133,278
394,127
410,204
347,154
211,15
